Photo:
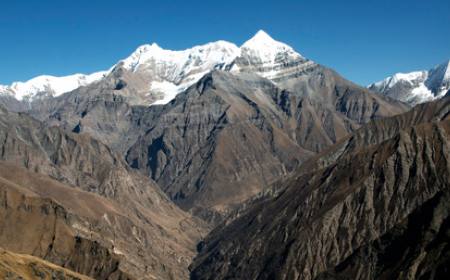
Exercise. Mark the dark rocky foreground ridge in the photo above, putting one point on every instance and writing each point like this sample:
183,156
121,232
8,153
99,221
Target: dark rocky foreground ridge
377,210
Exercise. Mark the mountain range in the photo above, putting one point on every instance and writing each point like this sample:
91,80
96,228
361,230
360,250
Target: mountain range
159,75
418,86
188,164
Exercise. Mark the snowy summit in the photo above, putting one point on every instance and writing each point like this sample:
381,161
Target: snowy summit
167,72
418,86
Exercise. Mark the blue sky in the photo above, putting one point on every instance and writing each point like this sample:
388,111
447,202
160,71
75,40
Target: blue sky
363,40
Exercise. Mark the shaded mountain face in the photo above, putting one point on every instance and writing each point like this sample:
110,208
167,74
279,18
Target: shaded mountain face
378,211
72,196
416,87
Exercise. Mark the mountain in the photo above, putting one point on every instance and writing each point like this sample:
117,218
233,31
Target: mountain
304,173
205,148
229,137
77,204
157,75
416,87
378,210
268,58
45,86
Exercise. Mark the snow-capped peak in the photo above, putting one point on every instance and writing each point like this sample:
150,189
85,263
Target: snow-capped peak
389,82
173,65
418,86
158,74
263,46
261,37
49,85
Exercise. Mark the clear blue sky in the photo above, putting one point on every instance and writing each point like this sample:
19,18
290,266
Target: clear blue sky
364,40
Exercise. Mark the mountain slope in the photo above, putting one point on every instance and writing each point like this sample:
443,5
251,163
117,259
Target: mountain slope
153,236
231,136
26,267
218,143
416,87
346,218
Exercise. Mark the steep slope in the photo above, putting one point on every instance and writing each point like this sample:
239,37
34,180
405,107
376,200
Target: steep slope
376,212
320,95
218,143
416,87
380,130
26,267
61,225
231,136
153,236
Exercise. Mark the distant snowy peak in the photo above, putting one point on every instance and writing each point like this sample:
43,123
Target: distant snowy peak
49,85
410,78
416,87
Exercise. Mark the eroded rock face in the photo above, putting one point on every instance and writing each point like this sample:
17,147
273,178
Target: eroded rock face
346,217
416,248
136,221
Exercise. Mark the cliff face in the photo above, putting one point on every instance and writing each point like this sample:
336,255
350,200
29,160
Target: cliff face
377,211
76,192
